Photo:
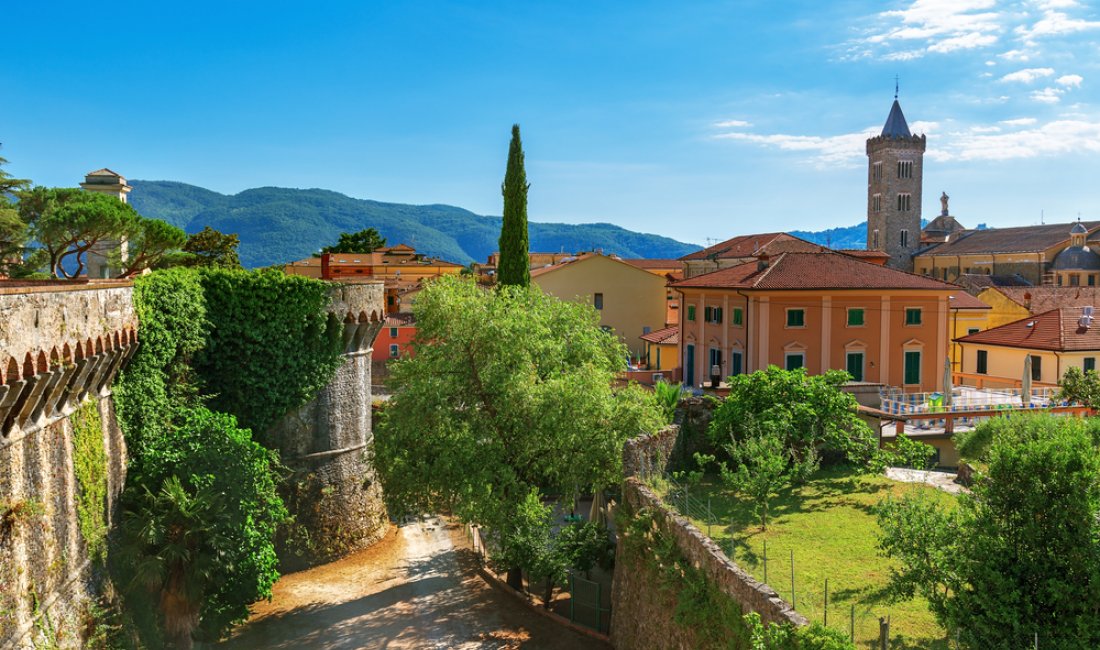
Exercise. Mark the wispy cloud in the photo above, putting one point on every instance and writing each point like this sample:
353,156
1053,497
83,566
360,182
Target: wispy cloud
1024,137
1048,95
1055,22
1028,75
732,124
1068,80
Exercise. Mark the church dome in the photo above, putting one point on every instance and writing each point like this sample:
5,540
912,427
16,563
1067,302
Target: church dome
1076,258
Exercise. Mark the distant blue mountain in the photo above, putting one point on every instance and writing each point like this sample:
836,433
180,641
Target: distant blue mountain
279,225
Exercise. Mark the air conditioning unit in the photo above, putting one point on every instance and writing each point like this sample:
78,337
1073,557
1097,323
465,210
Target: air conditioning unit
658,376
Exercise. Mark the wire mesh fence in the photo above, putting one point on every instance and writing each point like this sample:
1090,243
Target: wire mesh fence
583,600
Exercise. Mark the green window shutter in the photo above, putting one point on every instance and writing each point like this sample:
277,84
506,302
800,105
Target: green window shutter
735,363
912,316
708,313
912,367
855,365
796,318
1090,364
737,316
983,362
691,312
795,361
855,317
717,314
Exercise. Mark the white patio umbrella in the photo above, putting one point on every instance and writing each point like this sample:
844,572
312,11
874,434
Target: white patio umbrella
947,388
1025,385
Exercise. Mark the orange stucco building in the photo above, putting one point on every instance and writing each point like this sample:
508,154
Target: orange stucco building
820,311
395,263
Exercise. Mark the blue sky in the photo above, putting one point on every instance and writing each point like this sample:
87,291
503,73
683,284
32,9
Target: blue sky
690,119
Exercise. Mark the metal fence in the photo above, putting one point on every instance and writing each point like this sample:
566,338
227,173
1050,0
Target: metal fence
587,602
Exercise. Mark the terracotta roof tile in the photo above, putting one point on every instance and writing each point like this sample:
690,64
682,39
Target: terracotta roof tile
400,319
963,300
749,245
653,263
666,336
1046,298
1057,329
821,270
1022,239
975,282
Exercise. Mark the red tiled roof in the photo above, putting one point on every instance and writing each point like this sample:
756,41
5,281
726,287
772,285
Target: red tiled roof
654,264
400,319
822,270
963,300
1022,239
975,282
862,252
1057,329
1046,298
666,336
750,245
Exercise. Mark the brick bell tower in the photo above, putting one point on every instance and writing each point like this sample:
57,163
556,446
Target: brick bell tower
895,175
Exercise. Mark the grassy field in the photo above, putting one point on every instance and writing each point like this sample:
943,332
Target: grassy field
830,525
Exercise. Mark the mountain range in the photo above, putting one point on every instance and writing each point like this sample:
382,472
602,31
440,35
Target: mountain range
278,225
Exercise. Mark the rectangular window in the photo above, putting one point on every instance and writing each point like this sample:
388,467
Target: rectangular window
904,238
876,203
394,351
708,314
691,312
717,314
855,317
389,300
874,239
796,318
1090,364
973,330
912,367
983,362
876,171
795,360
597,301
393,332
646,329
1036,368
912,316
715,360
735,363
738,316
855,365
1092,280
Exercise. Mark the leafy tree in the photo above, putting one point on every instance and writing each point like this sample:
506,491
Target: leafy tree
668,398
763,468
1081,387
527,544
1021,555
208,247
515,264
68,222
585,545
364,241
811,413
13,231
507,391
202,511
149,240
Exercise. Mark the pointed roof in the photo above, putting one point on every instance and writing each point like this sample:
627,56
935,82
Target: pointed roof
896,126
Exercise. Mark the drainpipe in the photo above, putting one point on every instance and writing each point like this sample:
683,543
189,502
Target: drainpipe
748,324
681,320
1057,368
954,332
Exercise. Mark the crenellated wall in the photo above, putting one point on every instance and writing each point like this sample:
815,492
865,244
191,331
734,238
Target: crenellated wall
335,495
62,455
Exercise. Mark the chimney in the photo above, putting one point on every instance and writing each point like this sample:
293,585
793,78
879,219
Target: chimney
326,273
761,261
1027,300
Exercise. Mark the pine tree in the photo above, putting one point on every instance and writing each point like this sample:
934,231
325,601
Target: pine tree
514,267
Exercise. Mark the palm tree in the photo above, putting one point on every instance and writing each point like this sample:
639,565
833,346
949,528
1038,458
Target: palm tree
170,544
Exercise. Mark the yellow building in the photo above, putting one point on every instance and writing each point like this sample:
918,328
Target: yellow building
631,301
661,349
969,315
1056,340
399,263
1010,304
1046,254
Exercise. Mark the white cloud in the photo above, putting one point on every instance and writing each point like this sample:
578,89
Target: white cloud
1020,121
1028,75
985,129
1053,138
1068,80
838,150
932,26
1048,95
732,124
1015,55
1055,22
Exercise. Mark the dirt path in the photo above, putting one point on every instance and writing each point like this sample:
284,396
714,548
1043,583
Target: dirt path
414,589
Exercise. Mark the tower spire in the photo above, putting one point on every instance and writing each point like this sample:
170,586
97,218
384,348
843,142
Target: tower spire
895,87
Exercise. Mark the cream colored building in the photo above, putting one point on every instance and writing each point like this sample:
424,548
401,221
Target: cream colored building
105,181
631,301
1056,340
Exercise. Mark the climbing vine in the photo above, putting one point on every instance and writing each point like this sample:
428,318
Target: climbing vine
272,347
90,467
717,620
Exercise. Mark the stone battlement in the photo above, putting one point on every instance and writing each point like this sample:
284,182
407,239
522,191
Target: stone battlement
59,343
916,142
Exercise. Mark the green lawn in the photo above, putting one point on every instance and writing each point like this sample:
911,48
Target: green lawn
830,525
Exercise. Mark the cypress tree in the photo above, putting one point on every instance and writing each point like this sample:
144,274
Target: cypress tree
514,266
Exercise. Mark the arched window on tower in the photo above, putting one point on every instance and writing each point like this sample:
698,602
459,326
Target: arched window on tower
876,203
905,169
876,171
903,203
904,238
874,239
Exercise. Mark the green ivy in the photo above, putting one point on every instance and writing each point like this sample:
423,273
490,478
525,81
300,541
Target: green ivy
272,347
90,467
718,621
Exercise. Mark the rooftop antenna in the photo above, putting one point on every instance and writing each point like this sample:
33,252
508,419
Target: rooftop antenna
1042,216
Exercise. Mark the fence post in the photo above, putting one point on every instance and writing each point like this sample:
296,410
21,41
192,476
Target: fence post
765,561
793,599
826,602
883,631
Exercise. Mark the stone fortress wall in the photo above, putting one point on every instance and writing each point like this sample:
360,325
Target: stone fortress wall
335,494
60,348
